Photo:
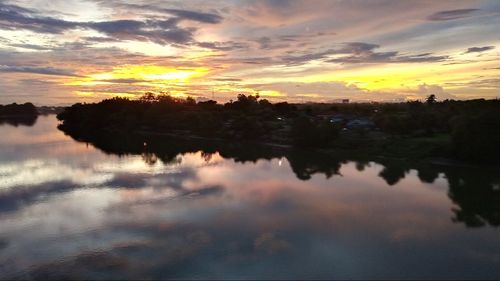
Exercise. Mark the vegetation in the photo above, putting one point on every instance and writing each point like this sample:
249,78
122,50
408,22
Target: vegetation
15,109
18,114
466,130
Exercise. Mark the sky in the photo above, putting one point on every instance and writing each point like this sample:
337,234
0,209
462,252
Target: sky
60,52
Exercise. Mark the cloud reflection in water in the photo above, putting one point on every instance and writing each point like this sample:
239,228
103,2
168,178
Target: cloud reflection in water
80,213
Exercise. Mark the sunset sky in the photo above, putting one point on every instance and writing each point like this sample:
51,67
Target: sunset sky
63,51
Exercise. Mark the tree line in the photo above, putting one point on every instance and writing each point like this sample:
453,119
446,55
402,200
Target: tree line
468,130
15,109
18,114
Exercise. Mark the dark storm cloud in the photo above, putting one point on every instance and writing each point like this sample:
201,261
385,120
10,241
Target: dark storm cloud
37,70
479,49
451,14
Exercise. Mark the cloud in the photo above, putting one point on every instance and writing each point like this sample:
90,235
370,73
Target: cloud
269,243
388,57
164,31
479,49
364,53
37,70
321,91
451,14
301,59
30,47
180,14
249,42
228,79
16,198
266,43
95,39
14,17
124,81
195,16
492,83
160,32
357,48
360,52
223,46
118,26
424,90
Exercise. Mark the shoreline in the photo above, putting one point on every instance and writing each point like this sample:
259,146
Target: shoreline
196,137
368,153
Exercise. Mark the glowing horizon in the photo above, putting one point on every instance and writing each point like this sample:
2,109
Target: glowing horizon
60,52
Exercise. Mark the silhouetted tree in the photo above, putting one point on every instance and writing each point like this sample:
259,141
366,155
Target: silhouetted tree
431,99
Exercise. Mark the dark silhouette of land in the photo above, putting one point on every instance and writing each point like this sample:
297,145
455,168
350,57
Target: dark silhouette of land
461,130
18,114
314,138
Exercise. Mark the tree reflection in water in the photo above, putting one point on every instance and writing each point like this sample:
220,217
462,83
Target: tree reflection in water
474,191
21,120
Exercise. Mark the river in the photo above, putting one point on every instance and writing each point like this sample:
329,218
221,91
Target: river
158,209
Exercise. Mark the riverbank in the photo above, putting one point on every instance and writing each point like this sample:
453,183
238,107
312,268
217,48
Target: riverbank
459,130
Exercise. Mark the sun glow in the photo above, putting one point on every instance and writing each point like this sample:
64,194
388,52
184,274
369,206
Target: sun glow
152,75
103,94
154,72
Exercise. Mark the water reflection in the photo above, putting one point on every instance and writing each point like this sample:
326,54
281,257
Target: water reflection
190,209
21,120
475,192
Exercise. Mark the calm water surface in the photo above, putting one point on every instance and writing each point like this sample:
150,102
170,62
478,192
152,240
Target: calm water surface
70,209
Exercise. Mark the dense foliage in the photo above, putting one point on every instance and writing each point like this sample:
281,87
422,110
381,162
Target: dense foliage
18,109
461,129
246,118
18,114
